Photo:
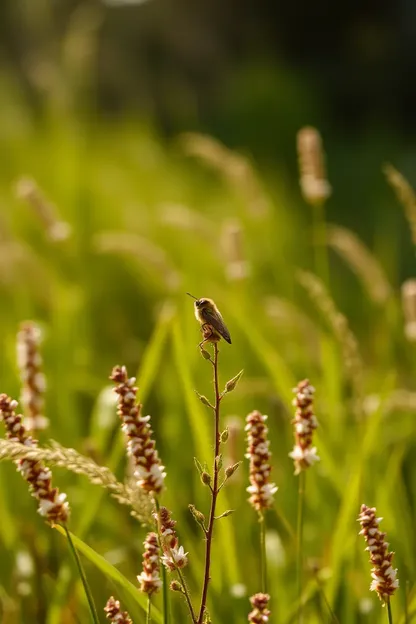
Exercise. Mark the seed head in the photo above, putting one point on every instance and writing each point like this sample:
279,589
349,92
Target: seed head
383,574
313,182
149,579
148,469
29,361
409,308
114,613
260,612
174,556
304,454
260,489
52,504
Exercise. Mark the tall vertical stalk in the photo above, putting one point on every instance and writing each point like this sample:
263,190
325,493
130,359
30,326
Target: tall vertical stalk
301,508
90,599
149,610
263,560
166,613
214,491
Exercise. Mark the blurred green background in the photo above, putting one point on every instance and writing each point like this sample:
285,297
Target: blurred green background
94,100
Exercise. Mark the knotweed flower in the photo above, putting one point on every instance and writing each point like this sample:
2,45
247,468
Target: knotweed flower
260,612
52,504
147,466
149,579
115,614
383,574
29,361
260,490
174,555
313,182
304,454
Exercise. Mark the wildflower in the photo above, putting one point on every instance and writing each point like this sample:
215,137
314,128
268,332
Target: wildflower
383,574
147,466
149,579
314,185
304,454
260,611
174,555
261,491
52,504
29,361
114,613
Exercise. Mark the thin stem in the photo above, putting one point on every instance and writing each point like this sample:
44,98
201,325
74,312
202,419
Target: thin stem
186,594
210,528
390,616
149,610
165,592
320,242
87,590
263,560
301,500
325,599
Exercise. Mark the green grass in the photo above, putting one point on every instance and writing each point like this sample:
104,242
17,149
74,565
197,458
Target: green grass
128,305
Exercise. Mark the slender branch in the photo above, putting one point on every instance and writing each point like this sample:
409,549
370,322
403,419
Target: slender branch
301,500
149,610
263,560
90,599
186,594
215,490
390,616
166,614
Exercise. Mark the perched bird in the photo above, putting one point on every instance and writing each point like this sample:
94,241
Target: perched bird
212,324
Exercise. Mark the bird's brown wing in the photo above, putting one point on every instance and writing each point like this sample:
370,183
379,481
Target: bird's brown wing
215,319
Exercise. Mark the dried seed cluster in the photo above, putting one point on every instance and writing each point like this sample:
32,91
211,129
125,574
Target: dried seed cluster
29,361
149,579
52,504
115,614
313,182
174,555
260,490
384,576
147,466
304,454
260,612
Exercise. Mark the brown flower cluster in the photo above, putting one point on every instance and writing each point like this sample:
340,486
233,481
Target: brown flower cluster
260,612
304,454
174,555
384,576
149,579
52,504
261,490
29,361
147,466
115,614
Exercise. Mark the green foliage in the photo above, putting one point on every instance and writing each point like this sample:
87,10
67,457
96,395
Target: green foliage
148,225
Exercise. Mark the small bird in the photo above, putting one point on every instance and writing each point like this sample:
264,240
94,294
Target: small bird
212,324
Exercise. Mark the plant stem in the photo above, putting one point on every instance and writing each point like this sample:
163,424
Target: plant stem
320,243
149,610
186,594
301,500
214,494
87,590
390,616
263,560
166,614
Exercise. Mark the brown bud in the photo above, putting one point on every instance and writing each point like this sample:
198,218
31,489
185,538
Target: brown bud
176,586
206,478
231,470
205,354
231,384
224,436
199,517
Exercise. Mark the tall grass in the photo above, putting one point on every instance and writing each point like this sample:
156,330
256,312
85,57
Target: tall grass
114,291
